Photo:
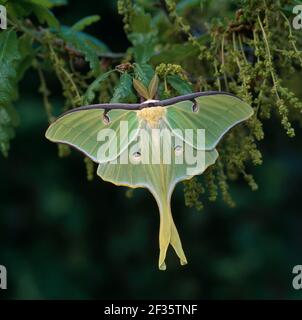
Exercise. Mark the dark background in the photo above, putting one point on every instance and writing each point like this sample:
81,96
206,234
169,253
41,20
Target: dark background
64,237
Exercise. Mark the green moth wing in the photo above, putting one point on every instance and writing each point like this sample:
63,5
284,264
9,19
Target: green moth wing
159,178
216,113
81,127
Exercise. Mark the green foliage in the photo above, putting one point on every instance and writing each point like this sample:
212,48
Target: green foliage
251,53
179,85
89,168
144,73
95,86
9,58
193,188
44,15
85,22
123,90
50,3
72,38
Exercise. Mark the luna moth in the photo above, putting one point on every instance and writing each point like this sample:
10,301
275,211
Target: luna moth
214,112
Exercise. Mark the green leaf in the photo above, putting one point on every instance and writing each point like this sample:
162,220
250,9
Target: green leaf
8,46
44,15
4,117
181,86
78,43
186,4
176,53
142,36
141,89
19,10
144,73
27,55
50,3
6,134
95,44
153,86
123,91
90,41
7,83
9,118
9,55
85,22
143,53
9,58
95,86
141,22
